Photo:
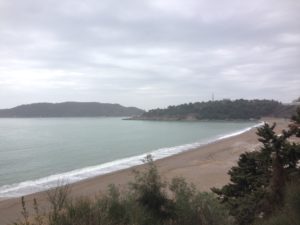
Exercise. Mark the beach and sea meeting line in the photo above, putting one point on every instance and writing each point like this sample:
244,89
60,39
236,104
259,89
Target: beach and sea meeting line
214,131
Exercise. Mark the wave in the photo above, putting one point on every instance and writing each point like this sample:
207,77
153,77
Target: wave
46,183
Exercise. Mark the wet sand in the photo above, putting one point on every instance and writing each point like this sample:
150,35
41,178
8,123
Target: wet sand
206,167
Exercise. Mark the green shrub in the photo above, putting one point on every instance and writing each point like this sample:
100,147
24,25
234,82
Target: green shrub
146,202
290,213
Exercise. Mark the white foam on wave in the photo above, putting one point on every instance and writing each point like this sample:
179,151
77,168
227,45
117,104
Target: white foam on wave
42,184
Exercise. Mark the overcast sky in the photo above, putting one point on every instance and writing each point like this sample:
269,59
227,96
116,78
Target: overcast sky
148,53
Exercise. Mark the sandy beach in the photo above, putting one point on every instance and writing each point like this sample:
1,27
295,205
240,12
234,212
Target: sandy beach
206,167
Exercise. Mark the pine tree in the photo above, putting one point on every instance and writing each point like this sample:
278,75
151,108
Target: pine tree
258,181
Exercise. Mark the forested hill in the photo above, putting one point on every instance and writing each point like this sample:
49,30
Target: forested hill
71,109
221,110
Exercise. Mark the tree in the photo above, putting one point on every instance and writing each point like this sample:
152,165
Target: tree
223,109
258,181
149,191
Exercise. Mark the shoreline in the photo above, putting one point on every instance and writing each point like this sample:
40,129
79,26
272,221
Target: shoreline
205,166
189,119
29,187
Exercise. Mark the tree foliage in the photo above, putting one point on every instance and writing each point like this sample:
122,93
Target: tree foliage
149,191
289,213
257,184
224,109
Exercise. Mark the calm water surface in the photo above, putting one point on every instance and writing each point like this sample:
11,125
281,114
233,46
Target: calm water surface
36,148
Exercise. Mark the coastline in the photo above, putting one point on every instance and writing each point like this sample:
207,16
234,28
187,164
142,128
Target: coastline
187,119
45,183
205,166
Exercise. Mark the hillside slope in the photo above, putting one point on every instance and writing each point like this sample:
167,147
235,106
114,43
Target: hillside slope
221,110
71,109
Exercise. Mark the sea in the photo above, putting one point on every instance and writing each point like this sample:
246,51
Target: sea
37,154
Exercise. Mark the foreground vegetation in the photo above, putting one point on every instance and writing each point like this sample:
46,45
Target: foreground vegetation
261,181
264,190
145,202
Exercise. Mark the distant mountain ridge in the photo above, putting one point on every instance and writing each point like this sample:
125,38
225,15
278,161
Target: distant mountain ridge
70,109
240,109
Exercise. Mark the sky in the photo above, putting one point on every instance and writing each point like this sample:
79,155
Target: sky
148,53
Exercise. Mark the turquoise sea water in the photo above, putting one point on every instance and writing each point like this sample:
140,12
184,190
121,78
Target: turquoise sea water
36,153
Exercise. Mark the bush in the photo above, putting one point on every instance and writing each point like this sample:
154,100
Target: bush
289,214
145,203
192,207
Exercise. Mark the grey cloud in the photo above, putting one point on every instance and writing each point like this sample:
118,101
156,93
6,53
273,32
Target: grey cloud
153,52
